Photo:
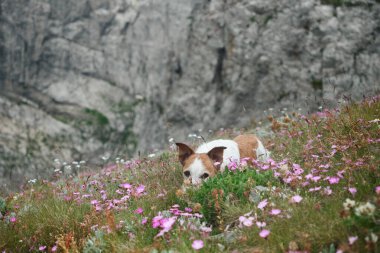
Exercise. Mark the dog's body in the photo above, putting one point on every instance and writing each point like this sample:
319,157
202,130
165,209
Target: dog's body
214,156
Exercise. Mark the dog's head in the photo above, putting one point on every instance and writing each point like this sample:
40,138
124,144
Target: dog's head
198,167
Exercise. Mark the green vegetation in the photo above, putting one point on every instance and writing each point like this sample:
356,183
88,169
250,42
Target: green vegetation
96,117
333,2
348,3
317,84
320,193
220,192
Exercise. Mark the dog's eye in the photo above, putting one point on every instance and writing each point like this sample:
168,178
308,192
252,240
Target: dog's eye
205,175
187,173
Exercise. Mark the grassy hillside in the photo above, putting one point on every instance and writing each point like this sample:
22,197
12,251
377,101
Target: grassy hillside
320,193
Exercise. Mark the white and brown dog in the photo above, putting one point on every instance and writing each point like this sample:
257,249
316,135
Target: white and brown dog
212,157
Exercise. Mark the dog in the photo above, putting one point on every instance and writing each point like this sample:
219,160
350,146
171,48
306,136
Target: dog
213,157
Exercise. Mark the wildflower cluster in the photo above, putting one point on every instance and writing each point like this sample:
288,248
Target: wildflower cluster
166,220
321,187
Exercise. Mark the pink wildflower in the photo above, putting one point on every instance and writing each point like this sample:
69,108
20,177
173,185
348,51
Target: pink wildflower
246,221
262,204
206,229
167,223
352,239
94,202
297,169
244,161
139,210
327,191
140,189
54,249
309,176
118,191
156,222
334,180
261,224
13,219
264,233
275,212
124,198
352,190
324,166
296,199
377,190
144,221
160,195
42,248
315,189
126,186
233,165
197,244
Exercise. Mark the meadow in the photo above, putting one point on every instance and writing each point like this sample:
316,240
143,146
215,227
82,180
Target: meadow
319,192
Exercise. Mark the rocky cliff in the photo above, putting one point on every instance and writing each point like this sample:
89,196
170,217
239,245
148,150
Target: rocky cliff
80,78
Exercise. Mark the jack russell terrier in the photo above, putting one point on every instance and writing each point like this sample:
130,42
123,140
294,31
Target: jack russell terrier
212,157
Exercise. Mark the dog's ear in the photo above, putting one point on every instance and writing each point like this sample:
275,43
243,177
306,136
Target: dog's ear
184,152
216,155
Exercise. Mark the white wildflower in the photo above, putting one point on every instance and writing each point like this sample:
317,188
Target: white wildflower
374,121
372,238
366,209
139,97
151,155
348,204
32,181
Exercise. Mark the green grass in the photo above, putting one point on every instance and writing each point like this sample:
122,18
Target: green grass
233,187
345,141
97,117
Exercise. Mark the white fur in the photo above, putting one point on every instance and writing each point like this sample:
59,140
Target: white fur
196,169
261,153
231,153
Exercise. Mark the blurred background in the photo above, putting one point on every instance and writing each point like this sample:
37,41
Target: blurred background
92,79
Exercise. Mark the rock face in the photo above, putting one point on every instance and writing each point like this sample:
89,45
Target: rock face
79,78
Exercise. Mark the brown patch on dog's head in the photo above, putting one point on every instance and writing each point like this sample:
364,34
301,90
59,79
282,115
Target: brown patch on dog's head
184,152
216,155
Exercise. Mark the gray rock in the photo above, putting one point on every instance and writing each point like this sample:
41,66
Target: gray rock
79,78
